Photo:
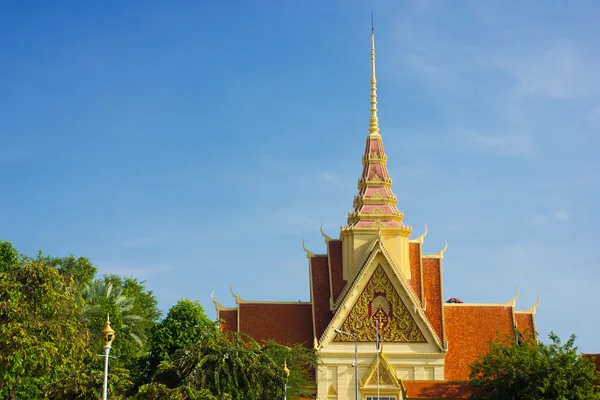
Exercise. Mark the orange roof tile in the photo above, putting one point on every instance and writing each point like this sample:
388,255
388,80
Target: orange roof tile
468,328
414,254
336,268
320,293
525,323
229,318
432,289
285,323
437,389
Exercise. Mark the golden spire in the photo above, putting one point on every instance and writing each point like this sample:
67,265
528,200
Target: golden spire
374,125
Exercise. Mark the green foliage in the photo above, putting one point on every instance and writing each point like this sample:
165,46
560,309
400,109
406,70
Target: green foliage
534,370
9,256
185,323
236,365
133,312
42,334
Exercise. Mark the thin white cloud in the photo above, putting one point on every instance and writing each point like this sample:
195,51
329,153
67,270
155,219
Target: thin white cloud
561,215
507,145
560,70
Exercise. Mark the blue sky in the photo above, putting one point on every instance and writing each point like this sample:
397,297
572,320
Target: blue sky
195,144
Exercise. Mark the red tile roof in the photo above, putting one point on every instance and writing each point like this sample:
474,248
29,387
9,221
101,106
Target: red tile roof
432,289
285,323
468,328
525,323
320,293
414,254
595,358
437,389
229,318
336,268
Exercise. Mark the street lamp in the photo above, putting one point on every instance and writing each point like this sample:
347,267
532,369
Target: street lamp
355,358
109,335
286,371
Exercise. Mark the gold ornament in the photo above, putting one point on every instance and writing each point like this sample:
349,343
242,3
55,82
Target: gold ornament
379,301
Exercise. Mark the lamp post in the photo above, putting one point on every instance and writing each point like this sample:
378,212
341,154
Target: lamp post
355,358
286,371
108,334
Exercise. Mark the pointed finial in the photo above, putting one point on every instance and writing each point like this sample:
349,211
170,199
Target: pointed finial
374,122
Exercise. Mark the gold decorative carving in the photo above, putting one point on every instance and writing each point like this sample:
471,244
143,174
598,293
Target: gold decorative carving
376,195
331,391
376,211
387,375
377,225
379,301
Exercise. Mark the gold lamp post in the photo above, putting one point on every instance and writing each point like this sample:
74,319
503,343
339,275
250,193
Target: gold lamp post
108,334
286,371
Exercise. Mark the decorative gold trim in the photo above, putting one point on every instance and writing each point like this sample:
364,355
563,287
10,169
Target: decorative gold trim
371,252
421,238
513,302
309,253
237,298
439,254
374,158
379,300
375,181
327,238
331,391
218,306
389,376
533,309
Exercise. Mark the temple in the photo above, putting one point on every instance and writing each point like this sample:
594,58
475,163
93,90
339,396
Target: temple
376,290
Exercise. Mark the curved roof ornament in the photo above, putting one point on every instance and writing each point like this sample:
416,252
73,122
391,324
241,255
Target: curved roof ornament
309,253
441,253
513,302
327,238
218,306
533,309
421,238
237,298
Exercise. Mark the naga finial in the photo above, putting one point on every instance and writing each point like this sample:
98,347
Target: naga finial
237,298
309,253
441,253
513,302
218,306
421,238
533,309
327,238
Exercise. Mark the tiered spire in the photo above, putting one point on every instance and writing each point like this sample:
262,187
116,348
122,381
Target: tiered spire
375,205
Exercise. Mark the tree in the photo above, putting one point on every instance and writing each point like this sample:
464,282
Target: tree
528,369
185,322
42,335
237,366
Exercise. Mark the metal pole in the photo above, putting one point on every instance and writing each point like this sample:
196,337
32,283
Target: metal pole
104,392
356,365
285,390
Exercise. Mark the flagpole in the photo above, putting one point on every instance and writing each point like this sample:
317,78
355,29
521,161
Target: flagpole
378,347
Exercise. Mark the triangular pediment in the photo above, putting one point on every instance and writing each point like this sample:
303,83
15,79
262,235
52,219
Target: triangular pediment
380,302
380,293
384,375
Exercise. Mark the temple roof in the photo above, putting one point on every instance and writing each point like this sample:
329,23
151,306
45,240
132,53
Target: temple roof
375,204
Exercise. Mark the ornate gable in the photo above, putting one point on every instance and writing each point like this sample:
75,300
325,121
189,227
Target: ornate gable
384,375
379,301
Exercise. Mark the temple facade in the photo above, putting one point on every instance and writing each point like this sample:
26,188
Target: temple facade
375,297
